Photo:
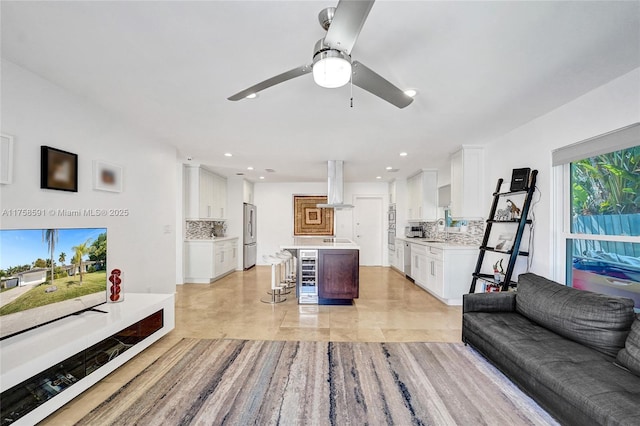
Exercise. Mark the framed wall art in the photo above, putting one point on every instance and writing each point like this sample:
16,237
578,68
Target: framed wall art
309,220
58,169
6,159
107,176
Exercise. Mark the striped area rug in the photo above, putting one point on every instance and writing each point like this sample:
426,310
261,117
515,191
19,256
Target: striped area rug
240,382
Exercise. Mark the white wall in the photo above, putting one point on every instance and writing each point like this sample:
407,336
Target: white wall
143,244
275,210
611,106
235,214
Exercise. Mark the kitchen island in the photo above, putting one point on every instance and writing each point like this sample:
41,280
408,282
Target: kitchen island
327,272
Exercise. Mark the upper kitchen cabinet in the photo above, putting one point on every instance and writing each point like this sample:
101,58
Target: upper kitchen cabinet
392,192
467,177
247,192
219,208
422,195
205,194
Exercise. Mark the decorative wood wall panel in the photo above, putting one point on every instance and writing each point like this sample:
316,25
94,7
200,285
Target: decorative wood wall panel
309,220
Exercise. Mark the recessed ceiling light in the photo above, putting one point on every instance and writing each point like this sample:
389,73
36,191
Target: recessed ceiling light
378,177
228,154
261,177
403,154
252,96
411,92
388,168
249,168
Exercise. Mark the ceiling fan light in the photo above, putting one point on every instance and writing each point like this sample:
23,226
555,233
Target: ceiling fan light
332,72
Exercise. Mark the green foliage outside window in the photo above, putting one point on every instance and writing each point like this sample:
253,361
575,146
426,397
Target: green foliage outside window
607,184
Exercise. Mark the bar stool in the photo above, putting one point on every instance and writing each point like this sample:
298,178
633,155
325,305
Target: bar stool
288,278
276,287
285,287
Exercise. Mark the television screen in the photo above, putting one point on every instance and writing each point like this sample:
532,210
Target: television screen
48,274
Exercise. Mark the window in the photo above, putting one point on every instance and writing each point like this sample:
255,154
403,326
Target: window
600,180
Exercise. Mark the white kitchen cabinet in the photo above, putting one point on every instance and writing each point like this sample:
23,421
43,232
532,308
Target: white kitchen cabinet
435,270
467,183
445,271
205,194
392,192
422,196
209,260
219,208
225,257
419,271
398,261
247,192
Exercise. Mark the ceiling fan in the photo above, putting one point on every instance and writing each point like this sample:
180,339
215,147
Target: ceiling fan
332,65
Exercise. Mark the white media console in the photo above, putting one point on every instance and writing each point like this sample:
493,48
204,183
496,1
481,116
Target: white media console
54,363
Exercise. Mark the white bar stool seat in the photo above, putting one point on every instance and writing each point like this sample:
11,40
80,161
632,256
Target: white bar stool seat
289,278
276,287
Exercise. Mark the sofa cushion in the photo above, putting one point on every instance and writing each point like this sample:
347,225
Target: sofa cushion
502,301
576,384
629,356
595,320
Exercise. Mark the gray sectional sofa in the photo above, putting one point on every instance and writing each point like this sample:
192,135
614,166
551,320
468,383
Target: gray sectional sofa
575,352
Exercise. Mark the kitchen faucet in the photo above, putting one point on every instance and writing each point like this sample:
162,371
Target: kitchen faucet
441,224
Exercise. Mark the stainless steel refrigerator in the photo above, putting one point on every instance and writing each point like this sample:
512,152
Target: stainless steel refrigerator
250,234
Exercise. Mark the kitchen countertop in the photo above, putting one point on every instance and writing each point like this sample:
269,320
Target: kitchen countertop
210,240
320,243
430,242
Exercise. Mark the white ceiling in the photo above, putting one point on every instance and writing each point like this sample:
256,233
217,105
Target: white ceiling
481,69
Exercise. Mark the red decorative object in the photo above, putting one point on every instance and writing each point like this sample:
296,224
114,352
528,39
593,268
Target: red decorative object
115,289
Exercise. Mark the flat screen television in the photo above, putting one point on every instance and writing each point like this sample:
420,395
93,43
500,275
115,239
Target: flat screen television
49,274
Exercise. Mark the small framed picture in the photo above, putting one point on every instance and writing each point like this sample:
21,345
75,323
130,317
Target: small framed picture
6,158
107,176
58,169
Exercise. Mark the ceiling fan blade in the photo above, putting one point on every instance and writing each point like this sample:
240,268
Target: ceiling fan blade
372,82
280,78
347,23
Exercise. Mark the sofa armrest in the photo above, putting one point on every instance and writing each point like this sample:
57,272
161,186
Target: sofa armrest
489,302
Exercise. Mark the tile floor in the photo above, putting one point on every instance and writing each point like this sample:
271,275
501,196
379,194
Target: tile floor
389,309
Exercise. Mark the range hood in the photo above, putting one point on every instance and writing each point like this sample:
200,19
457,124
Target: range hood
335,191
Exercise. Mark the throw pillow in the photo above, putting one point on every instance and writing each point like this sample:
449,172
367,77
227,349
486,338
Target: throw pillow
630,355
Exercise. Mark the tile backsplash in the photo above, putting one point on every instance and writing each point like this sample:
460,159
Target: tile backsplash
205,229
472,236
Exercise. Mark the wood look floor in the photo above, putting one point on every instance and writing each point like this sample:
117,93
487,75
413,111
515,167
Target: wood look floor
389,309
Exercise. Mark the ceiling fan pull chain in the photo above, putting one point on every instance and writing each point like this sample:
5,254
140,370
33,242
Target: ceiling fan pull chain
351,87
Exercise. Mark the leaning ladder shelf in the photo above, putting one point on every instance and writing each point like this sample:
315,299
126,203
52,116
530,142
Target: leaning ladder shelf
514,252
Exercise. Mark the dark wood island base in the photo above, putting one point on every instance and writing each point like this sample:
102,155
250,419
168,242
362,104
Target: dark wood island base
338,276
328,270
